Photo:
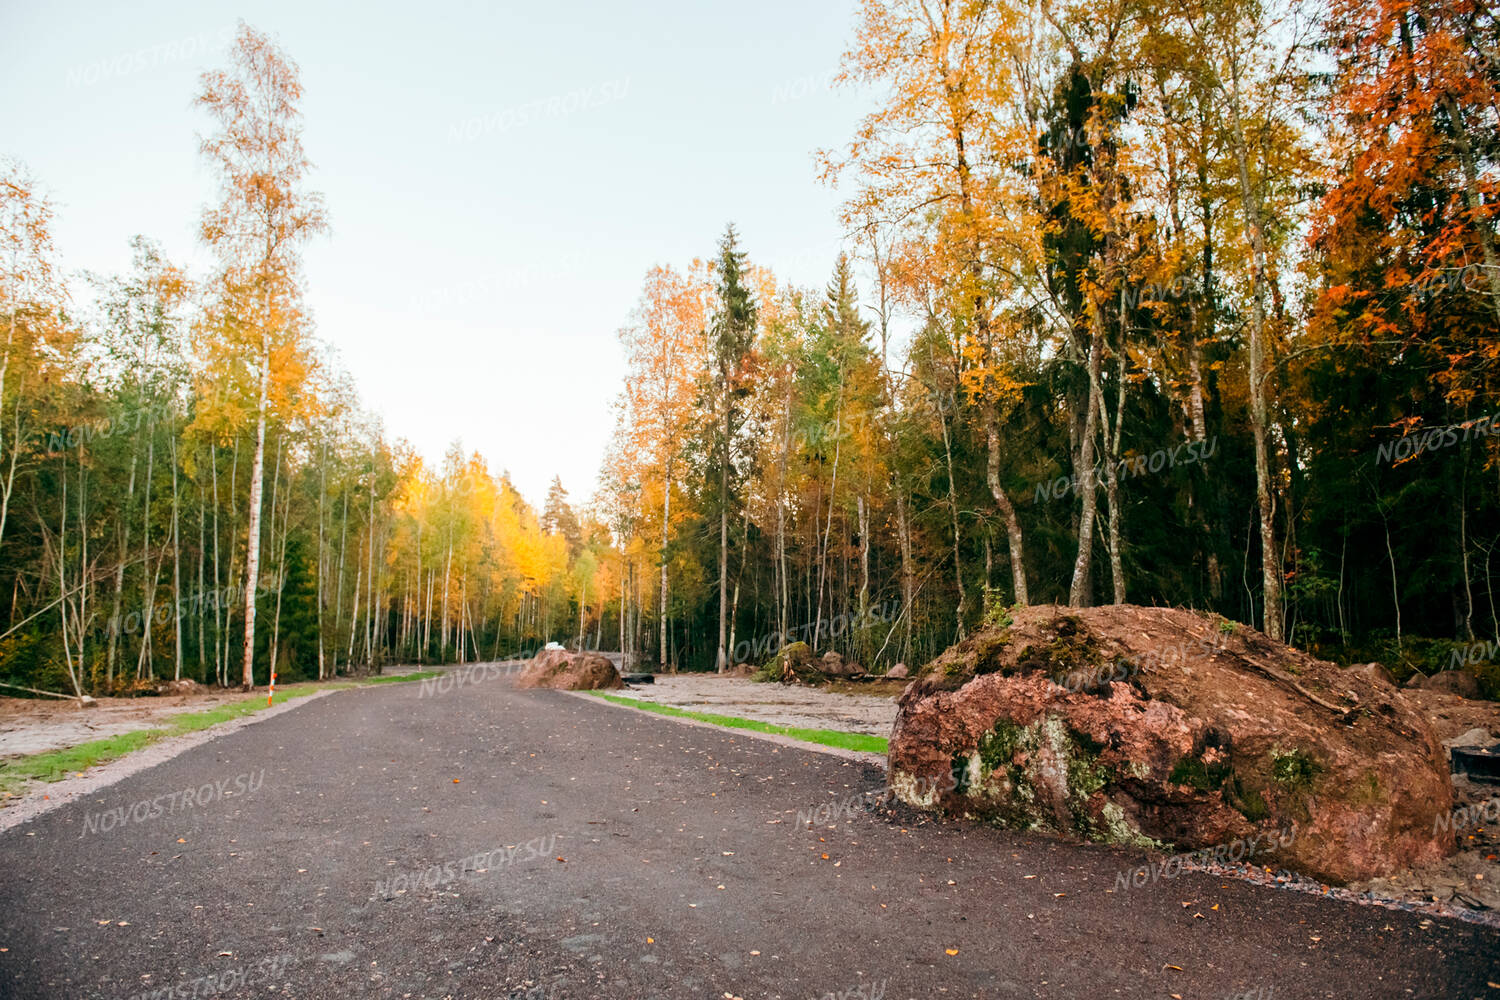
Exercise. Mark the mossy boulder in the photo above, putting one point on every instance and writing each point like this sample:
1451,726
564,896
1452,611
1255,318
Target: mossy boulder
1154,726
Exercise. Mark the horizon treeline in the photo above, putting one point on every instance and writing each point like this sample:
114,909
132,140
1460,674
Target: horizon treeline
1199,306
180,439
1179,302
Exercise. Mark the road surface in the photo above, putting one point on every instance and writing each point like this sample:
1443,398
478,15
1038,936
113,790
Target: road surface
630,856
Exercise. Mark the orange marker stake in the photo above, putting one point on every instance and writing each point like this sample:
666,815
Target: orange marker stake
272,692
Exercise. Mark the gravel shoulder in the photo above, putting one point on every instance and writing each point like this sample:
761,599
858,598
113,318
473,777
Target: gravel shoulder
784,704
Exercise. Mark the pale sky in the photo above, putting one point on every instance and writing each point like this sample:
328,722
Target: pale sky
487,240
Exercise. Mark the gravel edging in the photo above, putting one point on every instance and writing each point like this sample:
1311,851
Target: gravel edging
52,795
862,756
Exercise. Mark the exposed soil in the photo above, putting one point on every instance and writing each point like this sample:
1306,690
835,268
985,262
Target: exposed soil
35,725
1453,716
1471,878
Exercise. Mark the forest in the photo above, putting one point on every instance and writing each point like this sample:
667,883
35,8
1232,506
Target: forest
1171,302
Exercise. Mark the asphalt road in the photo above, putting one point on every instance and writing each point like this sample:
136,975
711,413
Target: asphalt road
649,858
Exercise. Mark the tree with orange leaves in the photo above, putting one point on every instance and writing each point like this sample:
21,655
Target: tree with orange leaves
1416,103
665,350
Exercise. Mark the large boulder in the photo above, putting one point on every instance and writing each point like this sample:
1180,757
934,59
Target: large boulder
568,671
1158,727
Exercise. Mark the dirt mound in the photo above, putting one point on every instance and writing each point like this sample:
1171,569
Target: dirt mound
184,686
565,671
795,664
1155,726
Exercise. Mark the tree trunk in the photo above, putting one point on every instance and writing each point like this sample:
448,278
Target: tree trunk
176,568
252,531
903,531
123,533
722,658
1007,509
1079,593
666,511
958,567
1265,503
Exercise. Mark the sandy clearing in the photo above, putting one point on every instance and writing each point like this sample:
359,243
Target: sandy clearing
36,725
32,725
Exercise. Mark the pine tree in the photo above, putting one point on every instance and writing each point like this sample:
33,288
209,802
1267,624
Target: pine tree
733,335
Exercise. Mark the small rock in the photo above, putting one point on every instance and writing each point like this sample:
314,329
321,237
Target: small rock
1475,737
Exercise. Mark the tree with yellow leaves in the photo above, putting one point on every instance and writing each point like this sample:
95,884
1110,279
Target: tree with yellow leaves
256,231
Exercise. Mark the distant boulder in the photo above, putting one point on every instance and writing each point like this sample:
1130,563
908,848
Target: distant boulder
899,672
834,665
565,671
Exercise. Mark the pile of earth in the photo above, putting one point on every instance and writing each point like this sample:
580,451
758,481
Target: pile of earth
183,686
568,671
794,664
1165,728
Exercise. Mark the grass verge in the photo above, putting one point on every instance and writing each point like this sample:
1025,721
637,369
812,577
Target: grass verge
826,737
54,765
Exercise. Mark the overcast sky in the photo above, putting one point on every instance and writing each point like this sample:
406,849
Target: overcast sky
499,178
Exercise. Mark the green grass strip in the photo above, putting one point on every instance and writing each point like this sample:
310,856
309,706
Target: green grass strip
54,765
826,737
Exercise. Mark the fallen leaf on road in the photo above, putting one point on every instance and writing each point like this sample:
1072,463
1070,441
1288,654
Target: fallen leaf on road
1177,967
951,951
